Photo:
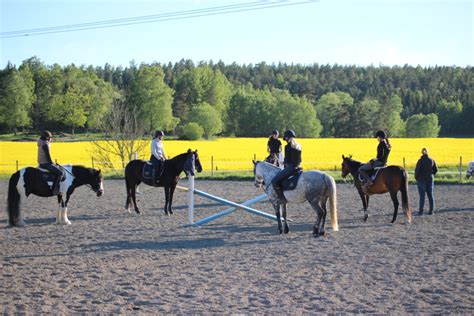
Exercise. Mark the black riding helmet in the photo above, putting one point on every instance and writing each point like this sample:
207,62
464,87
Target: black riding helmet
45,135
381,134
289,133
275,132
159,133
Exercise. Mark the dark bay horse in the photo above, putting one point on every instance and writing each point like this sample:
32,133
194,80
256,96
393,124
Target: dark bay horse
172,168
37,181
389,179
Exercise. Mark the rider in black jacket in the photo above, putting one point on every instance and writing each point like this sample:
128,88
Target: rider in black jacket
383,150
292,161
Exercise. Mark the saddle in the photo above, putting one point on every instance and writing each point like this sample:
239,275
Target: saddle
51,177
148,172
372,174
290,183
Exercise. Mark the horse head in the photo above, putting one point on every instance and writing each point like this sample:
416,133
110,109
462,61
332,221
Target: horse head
91,177
345,170
259,180
192,162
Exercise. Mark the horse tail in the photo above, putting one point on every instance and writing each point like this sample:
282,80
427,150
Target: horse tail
13,200
404,191
331,189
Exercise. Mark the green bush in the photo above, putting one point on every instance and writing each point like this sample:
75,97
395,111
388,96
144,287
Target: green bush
192,131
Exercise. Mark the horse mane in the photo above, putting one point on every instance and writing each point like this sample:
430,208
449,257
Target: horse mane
269,164
353,163
179,157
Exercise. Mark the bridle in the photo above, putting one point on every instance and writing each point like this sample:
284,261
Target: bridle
86,184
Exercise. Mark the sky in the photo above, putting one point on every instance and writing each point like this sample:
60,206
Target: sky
344,32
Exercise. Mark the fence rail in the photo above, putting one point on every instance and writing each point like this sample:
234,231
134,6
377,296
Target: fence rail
222,166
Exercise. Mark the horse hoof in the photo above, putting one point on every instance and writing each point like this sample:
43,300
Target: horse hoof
287,230
137,211
366,217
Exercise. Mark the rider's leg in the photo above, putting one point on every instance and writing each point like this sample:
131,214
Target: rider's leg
276,183
57,180
363,170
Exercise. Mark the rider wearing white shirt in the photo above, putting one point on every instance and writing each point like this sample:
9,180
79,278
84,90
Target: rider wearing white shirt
157,154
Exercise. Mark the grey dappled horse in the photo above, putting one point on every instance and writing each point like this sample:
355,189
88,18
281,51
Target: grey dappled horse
316,187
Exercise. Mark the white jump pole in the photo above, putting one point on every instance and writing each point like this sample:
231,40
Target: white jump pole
228,211
191,200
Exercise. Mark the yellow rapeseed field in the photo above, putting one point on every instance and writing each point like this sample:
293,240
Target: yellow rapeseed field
237,153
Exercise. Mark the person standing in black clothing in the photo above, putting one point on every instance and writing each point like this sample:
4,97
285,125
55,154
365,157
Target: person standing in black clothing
274,146
424,172
383,150
291,162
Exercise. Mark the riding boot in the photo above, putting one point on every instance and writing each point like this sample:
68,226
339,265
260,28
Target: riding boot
367,181
280,195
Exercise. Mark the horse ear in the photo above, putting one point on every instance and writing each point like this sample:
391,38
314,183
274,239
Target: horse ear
189,151
343,157
196,151
350,156
254,162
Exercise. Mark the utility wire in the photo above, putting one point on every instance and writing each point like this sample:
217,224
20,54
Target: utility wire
179,15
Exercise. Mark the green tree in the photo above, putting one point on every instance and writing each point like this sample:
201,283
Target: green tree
16,99
362,118
420,125
449,113
388,117
192,131
296,113
333,110
152,98
208,118
70,108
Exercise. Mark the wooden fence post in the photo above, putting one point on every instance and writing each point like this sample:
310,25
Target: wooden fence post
404,164
212,166
17,165
460,168
92,162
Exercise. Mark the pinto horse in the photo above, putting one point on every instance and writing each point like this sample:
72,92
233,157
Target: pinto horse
35,181
389,179
169,178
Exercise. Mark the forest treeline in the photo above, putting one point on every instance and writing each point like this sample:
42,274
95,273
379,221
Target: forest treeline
206,99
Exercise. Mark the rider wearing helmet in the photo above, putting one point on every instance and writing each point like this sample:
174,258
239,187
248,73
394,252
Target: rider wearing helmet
46,162
383,150
157,154
291,162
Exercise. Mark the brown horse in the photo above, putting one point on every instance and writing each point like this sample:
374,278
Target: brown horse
389,179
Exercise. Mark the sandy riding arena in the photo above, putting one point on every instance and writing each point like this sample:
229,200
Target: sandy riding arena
110,261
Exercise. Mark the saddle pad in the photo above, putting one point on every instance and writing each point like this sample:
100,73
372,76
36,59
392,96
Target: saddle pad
147,171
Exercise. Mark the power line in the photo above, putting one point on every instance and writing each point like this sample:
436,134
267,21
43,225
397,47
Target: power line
179,15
